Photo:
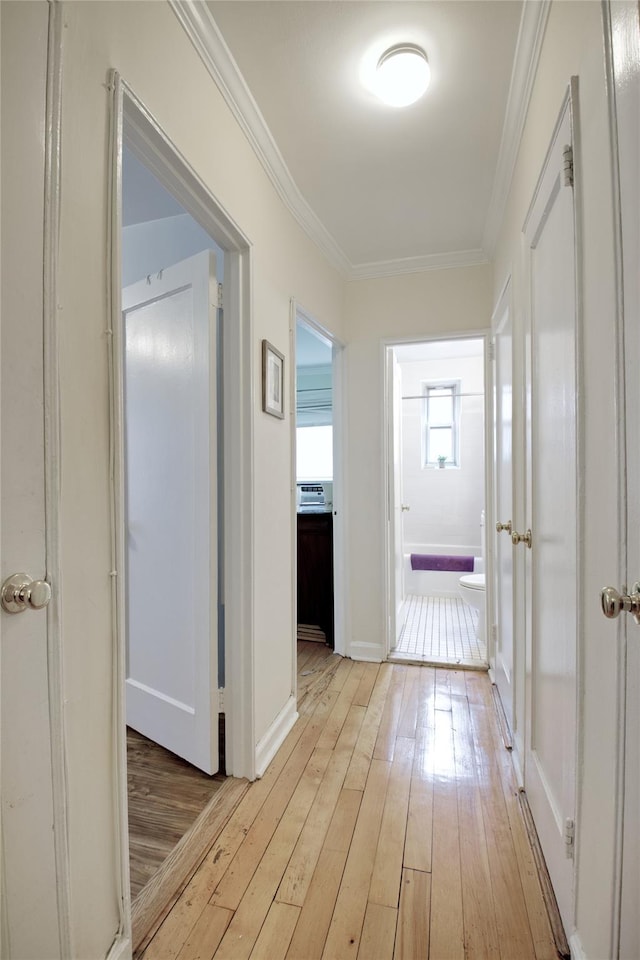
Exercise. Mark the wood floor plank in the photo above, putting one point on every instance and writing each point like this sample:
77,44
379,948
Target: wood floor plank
343,938
311,930
378,933
386,739
387,868
480,932
447,923
231,888
245,927
276,932
408,719
362,755
343,821
297,877
418,840
426,696
206,934
341,708
367,683
413,930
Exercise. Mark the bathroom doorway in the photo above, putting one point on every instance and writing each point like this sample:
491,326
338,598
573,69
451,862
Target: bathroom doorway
435,440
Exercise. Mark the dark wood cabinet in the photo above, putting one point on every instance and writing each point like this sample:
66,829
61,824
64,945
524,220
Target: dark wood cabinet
315,571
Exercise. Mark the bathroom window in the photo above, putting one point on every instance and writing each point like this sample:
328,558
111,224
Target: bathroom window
441,424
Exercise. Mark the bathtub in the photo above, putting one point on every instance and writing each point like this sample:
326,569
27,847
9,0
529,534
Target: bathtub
437,583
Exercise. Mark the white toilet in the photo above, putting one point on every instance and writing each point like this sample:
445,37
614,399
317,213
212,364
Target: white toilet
472,589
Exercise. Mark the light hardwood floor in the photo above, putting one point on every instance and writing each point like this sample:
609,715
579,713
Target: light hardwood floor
387,826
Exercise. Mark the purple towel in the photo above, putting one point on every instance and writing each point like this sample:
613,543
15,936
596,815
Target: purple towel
430,561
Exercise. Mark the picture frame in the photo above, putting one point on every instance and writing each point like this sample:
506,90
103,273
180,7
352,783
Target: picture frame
272,380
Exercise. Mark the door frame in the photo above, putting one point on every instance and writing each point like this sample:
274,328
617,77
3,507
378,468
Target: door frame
154,148
523,515
505,307
387,344
623,89
299,314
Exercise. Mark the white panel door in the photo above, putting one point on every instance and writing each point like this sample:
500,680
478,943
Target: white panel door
396,508
30,879
625,34
171,508
551,602
503,425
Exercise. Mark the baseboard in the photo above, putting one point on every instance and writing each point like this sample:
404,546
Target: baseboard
577,951
369,652
273,739
121,948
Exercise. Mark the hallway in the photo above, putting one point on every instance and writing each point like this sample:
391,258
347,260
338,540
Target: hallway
387,826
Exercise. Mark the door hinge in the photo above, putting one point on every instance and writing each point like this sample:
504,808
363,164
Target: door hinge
221,706
492,350
567,166
494,633
220,302
569,836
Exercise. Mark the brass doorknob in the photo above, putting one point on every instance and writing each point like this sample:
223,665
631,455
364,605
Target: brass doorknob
517,538
503,526
21,592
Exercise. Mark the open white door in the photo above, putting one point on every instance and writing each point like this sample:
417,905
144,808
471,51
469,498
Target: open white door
171,507
33,891
503,453
551,563
396,543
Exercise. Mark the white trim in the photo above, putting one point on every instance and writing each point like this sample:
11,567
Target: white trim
168,165
202,30
525,64
434,261
52,481
275,736
121,949
369,652
577,950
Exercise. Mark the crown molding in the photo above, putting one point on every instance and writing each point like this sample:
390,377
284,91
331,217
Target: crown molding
435,261
202,30
533,22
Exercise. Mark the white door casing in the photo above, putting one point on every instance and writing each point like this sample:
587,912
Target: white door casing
551,512
504,662
622,32
396,513
169,323
34,892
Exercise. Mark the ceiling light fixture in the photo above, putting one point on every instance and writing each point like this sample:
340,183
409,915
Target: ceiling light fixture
402,75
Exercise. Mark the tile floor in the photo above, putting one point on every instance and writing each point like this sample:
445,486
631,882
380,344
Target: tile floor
440,630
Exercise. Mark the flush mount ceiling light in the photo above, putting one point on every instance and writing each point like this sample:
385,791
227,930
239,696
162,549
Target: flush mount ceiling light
402,75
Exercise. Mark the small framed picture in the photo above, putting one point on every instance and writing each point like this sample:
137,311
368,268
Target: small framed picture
272,380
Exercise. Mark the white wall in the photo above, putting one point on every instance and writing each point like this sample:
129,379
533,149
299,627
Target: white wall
445,504
145,42
573,45
149,247
438,302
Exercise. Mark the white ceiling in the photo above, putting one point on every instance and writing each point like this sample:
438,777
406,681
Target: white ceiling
393,189
143,197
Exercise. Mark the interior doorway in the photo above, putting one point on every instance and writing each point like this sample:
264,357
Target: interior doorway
181,496
436,506
318,484
172,328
